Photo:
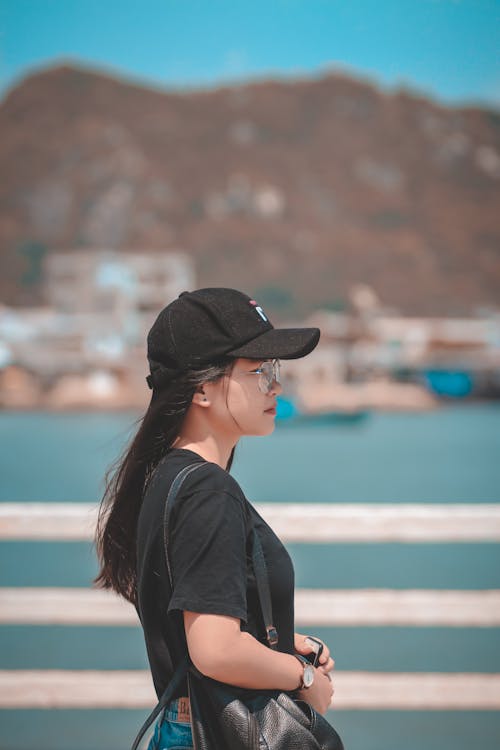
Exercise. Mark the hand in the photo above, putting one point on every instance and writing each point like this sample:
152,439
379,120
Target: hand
326,663
320,694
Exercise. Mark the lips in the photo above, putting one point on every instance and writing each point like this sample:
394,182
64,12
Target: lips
271,408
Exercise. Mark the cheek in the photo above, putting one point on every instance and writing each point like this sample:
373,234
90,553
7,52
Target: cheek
238,399
242,405
247,409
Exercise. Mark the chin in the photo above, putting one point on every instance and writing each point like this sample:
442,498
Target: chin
269,428
260,431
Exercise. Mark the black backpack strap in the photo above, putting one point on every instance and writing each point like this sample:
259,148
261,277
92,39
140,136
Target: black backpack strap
183,667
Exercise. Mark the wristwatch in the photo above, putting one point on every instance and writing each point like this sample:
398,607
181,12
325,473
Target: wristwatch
307,678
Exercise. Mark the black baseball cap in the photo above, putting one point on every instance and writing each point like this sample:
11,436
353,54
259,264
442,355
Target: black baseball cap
202,326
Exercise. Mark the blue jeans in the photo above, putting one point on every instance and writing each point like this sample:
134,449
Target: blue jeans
172,731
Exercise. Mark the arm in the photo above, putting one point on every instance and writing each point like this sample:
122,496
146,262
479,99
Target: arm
220,650
326,664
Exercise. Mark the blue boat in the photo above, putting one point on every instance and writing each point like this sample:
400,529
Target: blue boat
288,414
450,383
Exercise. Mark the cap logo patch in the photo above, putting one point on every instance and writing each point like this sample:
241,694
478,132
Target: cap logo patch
259,309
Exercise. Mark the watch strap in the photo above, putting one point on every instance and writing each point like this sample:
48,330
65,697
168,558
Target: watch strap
303,661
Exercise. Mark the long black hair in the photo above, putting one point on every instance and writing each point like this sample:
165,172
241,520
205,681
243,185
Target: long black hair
128,476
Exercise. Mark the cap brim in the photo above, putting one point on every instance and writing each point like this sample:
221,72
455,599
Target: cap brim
280,343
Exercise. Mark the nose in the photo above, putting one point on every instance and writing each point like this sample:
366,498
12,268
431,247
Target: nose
276,387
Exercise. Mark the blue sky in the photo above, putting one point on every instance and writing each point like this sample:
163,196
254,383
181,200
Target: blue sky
447,49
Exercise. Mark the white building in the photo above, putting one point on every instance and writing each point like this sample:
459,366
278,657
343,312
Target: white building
111,282
100,305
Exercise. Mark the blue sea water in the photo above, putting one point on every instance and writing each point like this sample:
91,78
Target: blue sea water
446,456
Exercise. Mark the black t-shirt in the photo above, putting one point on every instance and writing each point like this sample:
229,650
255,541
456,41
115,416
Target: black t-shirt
210,554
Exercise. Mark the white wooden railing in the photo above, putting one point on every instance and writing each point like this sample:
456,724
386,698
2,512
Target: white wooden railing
293,522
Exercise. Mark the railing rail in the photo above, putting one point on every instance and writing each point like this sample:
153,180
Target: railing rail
353,690
321,607
293,522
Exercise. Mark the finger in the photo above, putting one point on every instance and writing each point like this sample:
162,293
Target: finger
325,655
331,686
328,677
304,646
328,666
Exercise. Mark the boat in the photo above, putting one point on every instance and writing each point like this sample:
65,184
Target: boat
289,415
450,383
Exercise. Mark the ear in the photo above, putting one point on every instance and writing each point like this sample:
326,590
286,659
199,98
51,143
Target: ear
200,397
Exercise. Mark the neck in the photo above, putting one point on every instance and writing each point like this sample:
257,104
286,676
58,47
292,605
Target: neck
215,450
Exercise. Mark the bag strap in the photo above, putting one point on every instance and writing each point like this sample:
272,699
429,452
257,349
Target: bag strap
183,667
262,580
174,489
166,697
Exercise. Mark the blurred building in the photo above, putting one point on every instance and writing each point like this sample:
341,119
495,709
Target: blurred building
100,305
113,283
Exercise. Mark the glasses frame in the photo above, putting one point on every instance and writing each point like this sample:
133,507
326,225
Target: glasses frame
269,372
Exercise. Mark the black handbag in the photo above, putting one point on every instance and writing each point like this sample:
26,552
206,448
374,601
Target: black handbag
227,717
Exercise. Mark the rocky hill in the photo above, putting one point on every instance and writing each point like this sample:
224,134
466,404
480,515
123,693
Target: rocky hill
293,191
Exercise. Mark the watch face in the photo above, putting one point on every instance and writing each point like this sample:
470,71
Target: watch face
308,675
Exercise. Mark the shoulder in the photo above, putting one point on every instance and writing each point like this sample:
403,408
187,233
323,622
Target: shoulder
212,478
208,485
205,474
210,498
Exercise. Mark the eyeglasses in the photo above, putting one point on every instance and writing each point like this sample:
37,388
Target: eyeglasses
268,372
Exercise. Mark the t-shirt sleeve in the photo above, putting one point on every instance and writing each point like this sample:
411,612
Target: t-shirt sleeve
207,553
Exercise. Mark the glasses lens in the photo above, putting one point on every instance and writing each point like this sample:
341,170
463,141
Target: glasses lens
270,371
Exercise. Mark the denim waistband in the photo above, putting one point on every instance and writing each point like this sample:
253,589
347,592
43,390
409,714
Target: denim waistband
178,710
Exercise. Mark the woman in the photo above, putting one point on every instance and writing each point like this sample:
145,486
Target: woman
214,372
